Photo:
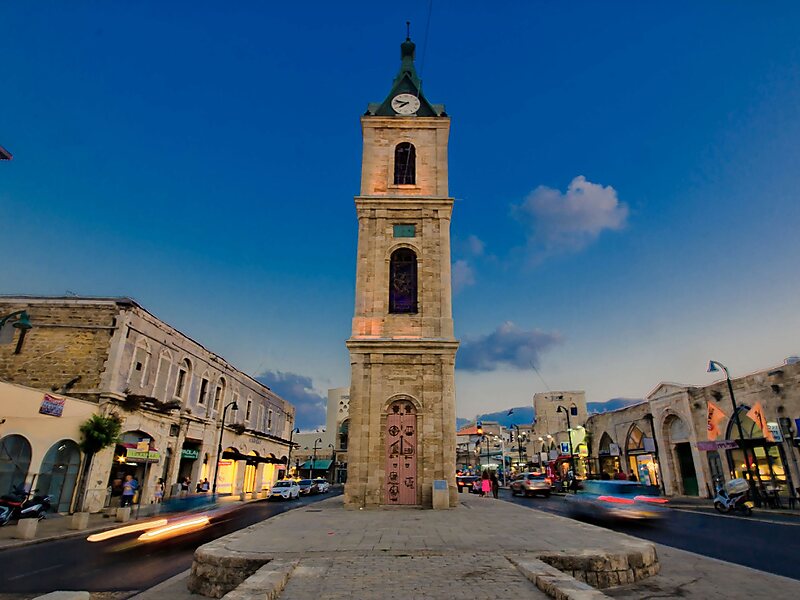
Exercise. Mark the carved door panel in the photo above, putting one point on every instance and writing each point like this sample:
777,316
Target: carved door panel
401,454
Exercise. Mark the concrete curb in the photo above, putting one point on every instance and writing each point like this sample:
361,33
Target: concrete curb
603,569
553,582
265,584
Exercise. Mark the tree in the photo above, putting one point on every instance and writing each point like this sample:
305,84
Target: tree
97,432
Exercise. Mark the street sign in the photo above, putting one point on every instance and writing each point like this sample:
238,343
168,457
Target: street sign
775,430
564,447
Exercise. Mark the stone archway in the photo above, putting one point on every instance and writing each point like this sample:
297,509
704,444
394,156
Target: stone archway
681,475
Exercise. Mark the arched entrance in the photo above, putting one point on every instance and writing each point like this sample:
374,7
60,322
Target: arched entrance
608,456
401,453
681,462
133,454
226,471
249,484
15,460
59,474
641,461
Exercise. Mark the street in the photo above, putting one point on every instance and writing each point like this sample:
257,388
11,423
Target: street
770,547
75,564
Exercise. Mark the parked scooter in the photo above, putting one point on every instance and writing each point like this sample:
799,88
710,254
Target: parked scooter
733,497
19,505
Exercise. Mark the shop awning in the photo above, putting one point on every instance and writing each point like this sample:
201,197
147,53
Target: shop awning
319,465
252,459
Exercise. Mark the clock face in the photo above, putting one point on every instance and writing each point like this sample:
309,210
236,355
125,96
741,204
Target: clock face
405,104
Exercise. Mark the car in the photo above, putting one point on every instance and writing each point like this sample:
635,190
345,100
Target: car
321,486
617,500
306,487
466,482
532,484
285,489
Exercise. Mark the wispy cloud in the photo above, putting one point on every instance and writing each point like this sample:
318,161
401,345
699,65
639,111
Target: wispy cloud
560,222
463,275
311,406
506,346
475,245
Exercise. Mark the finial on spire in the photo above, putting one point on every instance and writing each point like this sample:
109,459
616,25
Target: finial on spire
408,31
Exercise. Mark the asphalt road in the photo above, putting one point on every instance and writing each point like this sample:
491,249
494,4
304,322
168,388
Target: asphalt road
75,564
771,547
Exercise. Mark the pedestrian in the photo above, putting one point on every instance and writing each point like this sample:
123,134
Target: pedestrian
486,485
184,484
158,494
605,476
621,476
495,485
128,490
633,477
205,486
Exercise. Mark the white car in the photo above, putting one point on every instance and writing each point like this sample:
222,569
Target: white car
322,485
285,489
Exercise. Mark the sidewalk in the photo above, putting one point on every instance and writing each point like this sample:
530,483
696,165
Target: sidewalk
324,551
57,526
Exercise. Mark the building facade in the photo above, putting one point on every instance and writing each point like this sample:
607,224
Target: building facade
170,392
402,348
330,441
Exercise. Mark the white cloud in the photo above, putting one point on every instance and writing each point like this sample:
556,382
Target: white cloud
475,245
463,275
506,346
567,222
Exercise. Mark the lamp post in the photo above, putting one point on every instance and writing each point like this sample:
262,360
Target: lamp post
561,408
714,366
502,455
519,446
219,446
291,445
21,320
314,460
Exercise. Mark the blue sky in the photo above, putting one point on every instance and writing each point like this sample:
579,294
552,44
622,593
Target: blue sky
626,178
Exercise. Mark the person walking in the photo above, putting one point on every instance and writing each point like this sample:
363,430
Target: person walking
158,494
495,485
486,485
128,490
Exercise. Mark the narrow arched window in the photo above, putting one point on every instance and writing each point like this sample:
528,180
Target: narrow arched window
403,281
405,164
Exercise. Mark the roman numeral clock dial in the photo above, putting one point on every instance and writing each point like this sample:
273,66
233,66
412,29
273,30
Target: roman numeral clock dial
405,104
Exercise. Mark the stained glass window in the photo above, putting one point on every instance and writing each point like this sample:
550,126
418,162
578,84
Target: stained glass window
405,167
403,281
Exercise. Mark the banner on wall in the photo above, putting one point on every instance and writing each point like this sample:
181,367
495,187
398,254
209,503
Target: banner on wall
757,415
52,406
715,418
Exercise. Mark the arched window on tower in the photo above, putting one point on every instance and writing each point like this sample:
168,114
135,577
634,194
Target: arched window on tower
403,281
405,164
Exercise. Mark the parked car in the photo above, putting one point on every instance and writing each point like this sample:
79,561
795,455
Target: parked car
286,489
466,482
321,486
306,487
532,484
617,500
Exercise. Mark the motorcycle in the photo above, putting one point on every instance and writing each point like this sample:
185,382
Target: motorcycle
19,505
733,496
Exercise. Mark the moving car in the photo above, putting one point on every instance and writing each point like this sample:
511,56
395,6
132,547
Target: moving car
321,486
532,484
306,487
465,482
286,489
613,500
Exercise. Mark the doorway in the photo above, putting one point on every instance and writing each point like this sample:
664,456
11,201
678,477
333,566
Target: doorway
683,452
401,454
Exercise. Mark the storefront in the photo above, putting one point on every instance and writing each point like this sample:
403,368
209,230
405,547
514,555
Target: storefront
133,455
640,451
189,462
607,458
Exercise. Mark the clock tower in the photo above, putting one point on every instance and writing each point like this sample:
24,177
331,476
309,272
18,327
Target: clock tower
402,430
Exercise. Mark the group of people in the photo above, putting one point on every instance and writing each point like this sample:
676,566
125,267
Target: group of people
620,475
489,484
128,488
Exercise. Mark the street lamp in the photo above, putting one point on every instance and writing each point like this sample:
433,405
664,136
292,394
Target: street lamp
291,445
502,454
16,320
713,367
219,446
314,460
569,437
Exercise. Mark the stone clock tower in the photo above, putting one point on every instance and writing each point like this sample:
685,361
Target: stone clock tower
402,350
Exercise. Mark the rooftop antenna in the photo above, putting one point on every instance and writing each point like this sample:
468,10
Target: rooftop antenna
408,31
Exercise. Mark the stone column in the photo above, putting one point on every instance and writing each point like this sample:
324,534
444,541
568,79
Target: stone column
259,482
238,485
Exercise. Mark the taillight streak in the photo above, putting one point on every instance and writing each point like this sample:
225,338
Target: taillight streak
615,500
651,499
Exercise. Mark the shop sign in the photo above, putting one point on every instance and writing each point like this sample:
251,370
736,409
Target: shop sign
775,430
52,406
613,449
543,457
718,445
583,451
190,453
143,445
136,455
553,454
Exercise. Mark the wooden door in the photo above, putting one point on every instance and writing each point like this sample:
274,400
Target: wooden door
401,454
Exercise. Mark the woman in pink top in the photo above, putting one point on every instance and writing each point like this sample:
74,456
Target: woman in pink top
486,485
